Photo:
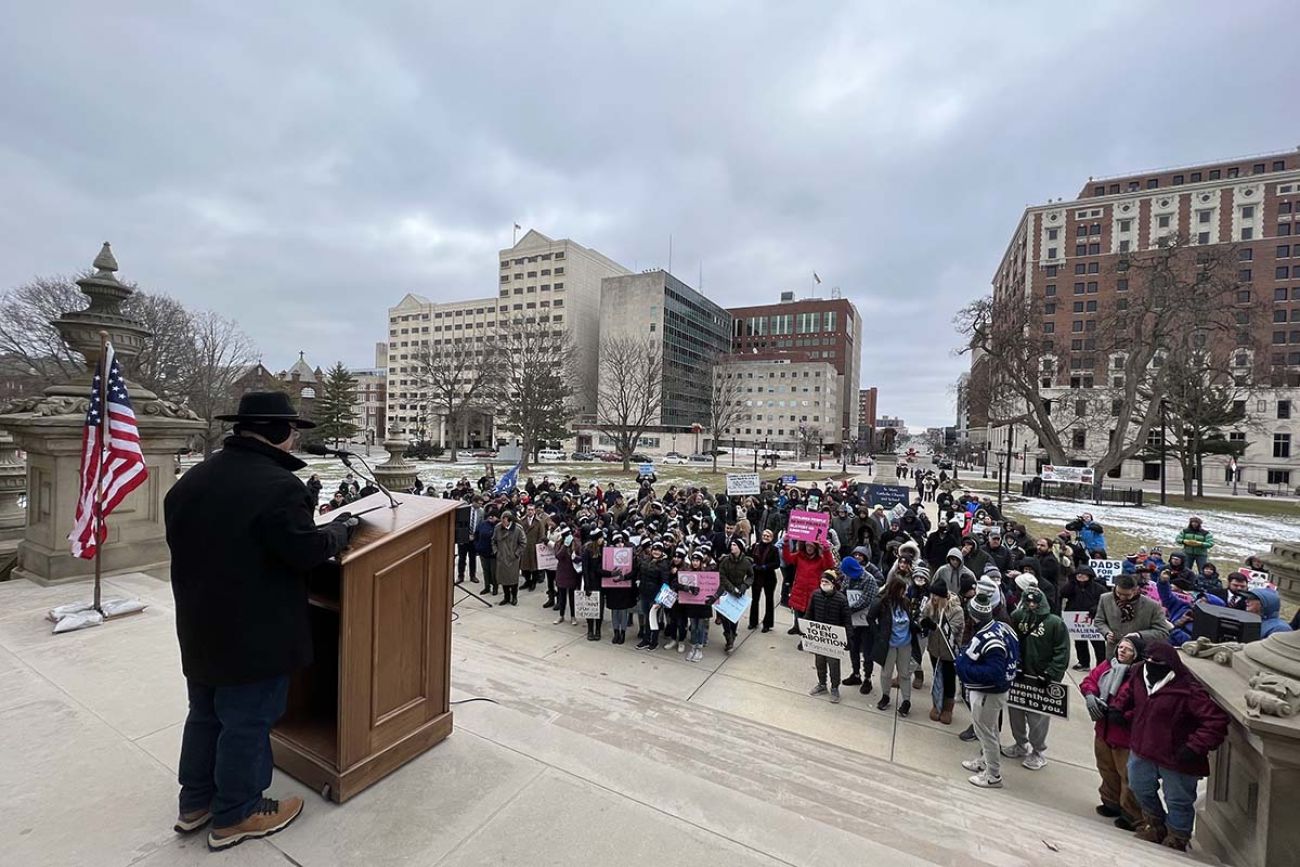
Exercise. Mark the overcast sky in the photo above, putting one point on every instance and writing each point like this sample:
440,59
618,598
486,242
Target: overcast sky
300,166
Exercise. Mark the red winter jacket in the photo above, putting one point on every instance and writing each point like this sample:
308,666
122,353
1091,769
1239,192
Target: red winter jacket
1179,715
1115,734
807,573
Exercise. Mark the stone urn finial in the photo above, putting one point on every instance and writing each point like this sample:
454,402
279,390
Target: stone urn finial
80,329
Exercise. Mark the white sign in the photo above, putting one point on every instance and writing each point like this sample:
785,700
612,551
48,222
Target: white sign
1107,570
824,639
546,557
740,484
1076,475
1257,580
586,605
897,513
1079,625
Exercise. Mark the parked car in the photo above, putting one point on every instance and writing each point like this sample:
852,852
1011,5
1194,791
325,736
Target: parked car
945,463
700,459
582,456
609,457
551,456
638,458
673,458
484,453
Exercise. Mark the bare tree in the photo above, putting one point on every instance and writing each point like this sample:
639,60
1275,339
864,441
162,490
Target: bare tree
29,340
726,404
450,377
161,365
221,352
1102,380
529,384
631,391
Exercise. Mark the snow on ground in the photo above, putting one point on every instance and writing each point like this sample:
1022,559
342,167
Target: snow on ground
1235,535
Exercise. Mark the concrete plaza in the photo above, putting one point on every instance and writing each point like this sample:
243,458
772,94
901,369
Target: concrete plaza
587,753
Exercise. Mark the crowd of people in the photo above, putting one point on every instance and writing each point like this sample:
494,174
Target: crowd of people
976,594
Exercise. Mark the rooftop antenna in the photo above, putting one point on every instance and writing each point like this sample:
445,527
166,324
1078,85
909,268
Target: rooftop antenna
701,275
670,253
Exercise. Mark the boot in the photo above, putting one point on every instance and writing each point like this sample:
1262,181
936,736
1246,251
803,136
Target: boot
1177,841
654,641
599,623
1152,830
934,714
918,679
945,715
591,631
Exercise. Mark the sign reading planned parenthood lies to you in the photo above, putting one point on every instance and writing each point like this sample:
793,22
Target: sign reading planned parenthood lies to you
824,639
808,526
740,484
1048,698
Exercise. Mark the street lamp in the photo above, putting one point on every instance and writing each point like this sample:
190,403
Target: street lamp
1163,451
821,447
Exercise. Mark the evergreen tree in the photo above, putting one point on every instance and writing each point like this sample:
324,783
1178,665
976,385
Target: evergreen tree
336,405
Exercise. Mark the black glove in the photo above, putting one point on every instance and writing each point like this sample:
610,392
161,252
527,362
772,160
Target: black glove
1188,756
348,523
1115,717
927,624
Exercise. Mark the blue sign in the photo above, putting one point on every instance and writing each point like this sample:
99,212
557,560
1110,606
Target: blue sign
646,470
790,479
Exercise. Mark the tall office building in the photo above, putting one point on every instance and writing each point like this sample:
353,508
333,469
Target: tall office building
812,329
554,281
1071,258
867,398
692,332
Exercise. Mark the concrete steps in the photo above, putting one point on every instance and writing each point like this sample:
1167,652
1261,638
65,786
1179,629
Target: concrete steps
909,815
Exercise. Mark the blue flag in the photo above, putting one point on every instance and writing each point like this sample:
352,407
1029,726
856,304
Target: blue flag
506,483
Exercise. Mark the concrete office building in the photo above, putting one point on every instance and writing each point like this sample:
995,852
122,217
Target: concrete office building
1071,257
692,334
827,329
790,404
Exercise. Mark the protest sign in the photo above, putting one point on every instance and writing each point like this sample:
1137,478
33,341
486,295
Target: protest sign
1049,698
617,559
740,484
667,597
645,470
1079,625
1107,570
897,513
1075,475
854,597
586,605
732,607
808,526
789,479
697,587
546,557
888,495
1257,580
824,639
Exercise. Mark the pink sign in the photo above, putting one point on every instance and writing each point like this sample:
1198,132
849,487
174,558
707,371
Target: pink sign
808,526
618,560
705,584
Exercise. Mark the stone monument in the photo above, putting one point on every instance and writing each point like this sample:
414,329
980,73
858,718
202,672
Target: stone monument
49,428
13,483
396,473
1248,815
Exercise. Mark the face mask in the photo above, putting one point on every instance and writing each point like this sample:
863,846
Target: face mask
828,589
1156,671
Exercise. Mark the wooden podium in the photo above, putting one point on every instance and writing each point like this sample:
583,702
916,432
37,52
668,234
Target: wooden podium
376,695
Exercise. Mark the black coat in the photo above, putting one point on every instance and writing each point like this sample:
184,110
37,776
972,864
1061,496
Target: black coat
242,540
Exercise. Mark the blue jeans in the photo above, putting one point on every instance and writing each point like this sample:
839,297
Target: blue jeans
1145,779
621,618
699,630
226,747
1195,560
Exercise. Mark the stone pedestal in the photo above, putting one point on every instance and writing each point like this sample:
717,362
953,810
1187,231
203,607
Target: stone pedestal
50,428
136,537
1283,564
1248,817
13,483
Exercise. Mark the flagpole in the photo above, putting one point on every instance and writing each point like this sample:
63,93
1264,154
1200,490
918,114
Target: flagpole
99,465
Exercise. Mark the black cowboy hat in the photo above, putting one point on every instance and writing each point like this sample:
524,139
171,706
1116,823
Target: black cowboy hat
267,406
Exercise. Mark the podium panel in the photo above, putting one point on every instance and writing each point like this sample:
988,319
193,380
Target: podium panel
377,693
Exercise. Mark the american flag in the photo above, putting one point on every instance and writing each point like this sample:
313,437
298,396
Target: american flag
112,464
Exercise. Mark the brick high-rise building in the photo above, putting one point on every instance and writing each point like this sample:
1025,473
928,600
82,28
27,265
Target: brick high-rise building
1070,258
815,329
867,398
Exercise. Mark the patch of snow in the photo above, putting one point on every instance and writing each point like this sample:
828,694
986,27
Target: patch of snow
1236,535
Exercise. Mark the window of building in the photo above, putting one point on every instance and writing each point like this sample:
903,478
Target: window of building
1284,409
1123,246
1279,315
1283,229
1215,174
1078,307
1094,249
1279,477
1081,231
1076,326
1281,445
1049,327
1051,270
1233,172
1245,255
1284,207
1050,308
1202,237
1050,289
1094,267
1244,275
1196,177
1178,180
1243,296
1203,217
1081,268
1279,165
1092,287
1257,169
1163,221
1080,249
1153,183
1284,251
1248,212
1078,288
1121,285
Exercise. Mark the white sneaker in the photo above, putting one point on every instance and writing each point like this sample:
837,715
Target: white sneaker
573,622
559,620
1015,751
1035,761
984,781
975,766
695,655
669,645
681,647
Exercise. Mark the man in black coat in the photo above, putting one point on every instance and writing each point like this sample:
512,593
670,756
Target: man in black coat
242,537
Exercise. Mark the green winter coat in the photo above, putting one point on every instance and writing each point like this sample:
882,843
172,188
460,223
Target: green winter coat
1044,640
1201,542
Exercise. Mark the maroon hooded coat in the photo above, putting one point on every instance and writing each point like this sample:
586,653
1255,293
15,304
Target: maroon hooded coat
1179,714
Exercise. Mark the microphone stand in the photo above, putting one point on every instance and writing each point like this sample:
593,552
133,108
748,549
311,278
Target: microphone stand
392,502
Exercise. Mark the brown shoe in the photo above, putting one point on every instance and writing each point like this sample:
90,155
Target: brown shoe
945,715
934,714
1152,829
1176,841
918,680
187,823
267,818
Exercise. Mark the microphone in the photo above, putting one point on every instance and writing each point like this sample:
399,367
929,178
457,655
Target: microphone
345,456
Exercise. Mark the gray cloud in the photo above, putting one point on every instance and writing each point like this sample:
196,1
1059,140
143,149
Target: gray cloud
302,167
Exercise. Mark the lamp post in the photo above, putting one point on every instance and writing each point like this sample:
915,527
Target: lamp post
984,458
1163,451
733,451
820,448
